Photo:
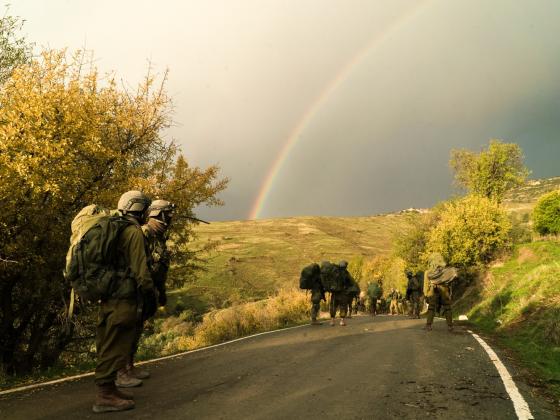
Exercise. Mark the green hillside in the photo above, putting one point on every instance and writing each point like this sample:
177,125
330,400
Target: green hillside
518,301
256,258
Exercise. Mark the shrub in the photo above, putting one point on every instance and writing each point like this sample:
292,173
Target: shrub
546,215
470,231
176,334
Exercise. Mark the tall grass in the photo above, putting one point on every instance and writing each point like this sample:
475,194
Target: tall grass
519,301
176,334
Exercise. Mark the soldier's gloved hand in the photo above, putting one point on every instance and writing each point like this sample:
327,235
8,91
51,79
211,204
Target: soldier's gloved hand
162,298
149,303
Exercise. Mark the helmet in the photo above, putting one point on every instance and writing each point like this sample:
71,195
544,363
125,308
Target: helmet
133,202
343,264
159,206
436,261
409,273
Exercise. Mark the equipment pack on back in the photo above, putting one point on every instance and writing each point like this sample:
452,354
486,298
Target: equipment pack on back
310,277
374,291
91,259
332,277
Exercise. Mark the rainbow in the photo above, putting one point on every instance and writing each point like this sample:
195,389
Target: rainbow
340,77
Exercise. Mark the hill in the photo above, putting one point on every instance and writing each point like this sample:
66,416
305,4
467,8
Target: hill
253,259
518,302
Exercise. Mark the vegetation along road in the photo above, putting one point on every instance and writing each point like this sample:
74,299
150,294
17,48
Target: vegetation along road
386,367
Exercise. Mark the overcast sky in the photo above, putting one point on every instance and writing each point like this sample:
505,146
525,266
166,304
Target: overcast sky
373,94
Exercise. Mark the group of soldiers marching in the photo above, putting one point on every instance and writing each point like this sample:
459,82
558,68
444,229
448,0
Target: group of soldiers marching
430,290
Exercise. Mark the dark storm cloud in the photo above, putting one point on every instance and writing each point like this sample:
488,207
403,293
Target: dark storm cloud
244,74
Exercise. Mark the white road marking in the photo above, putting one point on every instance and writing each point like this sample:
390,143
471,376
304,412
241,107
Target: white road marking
85,375
519,404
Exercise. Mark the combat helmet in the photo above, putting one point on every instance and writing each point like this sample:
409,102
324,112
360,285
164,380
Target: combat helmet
343,264
134,203
159,206
436,262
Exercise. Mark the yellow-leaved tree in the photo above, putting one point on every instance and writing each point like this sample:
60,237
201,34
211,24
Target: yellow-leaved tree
68,138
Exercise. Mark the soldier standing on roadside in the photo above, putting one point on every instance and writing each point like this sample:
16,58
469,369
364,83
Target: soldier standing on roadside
317,295
413,293
439,277
339,297
117,318
394,306
160,214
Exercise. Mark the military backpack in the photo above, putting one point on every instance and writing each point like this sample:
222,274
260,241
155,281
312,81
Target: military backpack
91,265
374,291
332,278
310,277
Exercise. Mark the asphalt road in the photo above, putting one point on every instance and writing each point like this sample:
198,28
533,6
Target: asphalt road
381,368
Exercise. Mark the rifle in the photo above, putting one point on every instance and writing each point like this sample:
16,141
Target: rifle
197,220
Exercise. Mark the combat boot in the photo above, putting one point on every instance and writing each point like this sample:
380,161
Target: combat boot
108,400
136,372
315,322
342,323
125,380
428,327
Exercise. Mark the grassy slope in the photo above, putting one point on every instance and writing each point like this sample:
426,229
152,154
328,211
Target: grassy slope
519,301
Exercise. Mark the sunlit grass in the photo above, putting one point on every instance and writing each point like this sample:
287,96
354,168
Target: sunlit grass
520,302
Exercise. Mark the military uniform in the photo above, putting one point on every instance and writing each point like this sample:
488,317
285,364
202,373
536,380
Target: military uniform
414,292
338,303
394,307
438,294
317,294
116,332
158,264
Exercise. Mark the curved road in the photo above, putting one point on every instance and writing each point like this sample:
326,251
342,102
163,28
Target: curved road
381,368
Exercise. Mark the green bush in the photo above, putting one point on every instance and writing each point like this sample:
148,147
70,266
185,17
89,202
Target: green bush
546,215
470,231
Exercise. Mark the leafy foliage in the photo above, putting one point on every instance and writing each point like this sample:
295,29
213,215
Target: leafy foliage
411,241
72,138
492,172
546,214
470,231
14,50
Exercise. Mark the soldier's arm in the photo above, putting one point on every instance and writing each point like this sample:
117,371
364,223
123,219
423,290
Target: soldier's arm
138,262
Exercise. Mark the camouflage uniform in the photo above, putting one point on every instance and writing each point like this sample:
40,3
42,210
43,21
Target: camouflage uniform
394,307
118,315
158,264
338,303
414,292
438,294
317,294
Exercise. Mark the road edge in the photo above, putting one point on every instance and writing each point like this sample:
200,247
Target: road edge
145,362
521,407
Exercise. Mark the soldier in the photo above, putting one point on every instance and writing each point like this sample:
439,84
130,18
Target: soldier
155,231
413,293
353,293
339,298
317,295
116,323
375,292
439,277
394,306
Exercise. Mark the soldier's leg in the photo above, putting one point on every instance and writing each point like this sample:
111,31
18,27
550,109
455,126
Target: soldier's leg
431,297
115,337
342,304
445,296
332,308
315,305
